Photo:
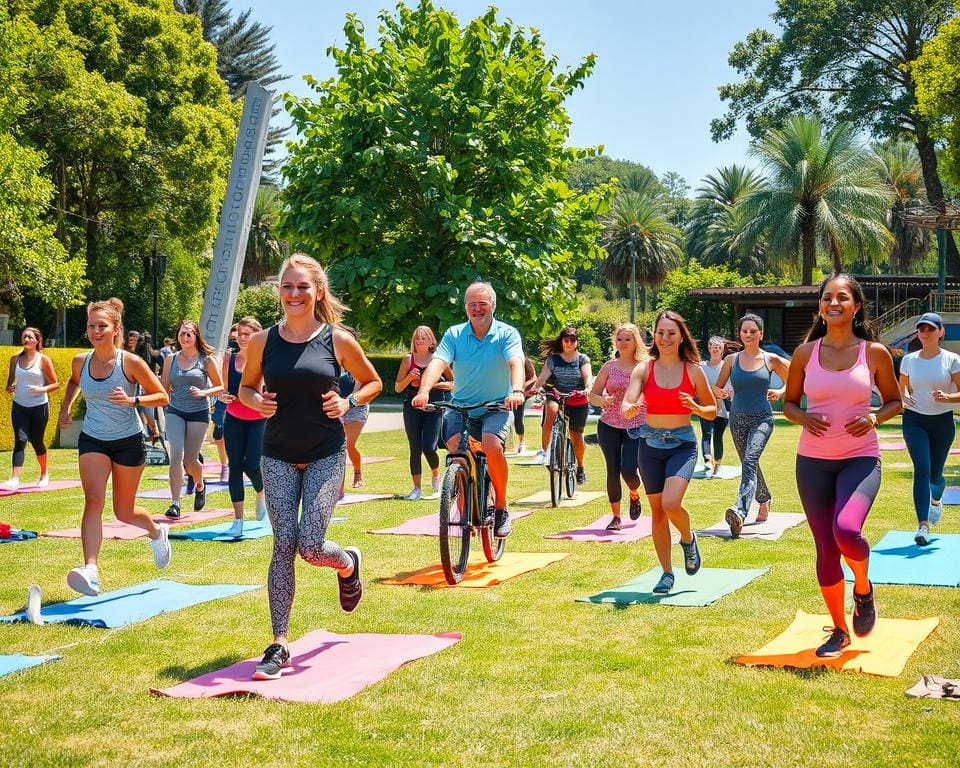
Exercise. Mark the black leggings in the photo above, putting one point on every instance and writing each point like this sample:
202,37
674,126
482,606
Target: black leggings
423,433
244,441
518,419
29,424
620,454
711,443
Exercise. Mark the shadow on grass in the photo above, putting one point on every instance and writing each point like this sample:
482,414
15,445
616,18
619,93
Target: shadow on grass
184,673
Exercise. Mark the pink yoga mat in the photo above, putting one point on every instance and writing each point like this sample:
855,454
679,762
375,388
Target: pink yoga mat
327,667
114,529
356,498
899,445
375,459
55,485
429,525
630,530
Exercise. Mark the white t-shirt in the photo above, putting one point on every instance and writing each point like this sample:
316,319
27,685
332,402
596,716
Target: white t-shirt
928,374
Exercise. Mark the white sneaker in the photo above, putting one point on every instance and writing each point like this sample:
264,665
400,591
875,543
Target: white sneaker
85,580
236,530
935,513
521,447
261,508
922,536
11,485
162,552
414,495
435,484
44,481
541,457
34,598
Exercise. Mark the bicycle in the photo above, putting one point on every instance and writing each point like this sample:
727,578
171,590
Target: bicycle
465,483
561,461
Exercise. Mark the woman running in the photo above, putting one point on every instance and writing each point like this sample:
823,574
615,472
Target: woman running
671,384
618,447
111,443
929,383
242,430
566,370
748,373
711,432
30,379
299,363
838,456
422,427
191,375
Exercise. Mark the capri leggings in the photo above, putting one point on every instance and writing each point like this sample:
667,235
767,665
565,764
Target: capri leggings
29,424
620,454
518,419
836,495
657,464
186,439
244,441
712,442
928,439
423,433
751,432
318,485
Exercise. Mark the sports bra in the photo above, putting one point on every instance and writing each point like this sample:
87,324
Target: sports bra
666,402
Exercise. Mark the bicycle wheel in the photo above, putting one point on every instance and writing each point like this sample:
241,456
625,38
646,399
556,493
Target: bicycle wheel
455,508
556,469
492,546
570,470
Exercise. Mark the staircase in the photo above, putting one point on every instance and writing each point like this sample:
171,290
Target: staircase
897,326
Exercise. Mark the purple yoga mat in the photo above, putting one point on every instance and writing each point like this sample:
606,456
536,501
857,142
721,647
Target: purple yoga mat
114,529
356,498
212,486
897,445
429,525
775,526
327,667
54,485
630,530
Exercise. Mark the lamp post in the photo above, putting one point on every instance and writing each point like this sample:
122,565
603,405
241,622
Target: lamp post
633,274
155,267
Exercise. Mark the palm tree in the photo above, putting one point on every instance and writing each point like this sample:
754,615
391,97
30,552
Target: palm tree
822,189
636,226
715,229
265,250
900,169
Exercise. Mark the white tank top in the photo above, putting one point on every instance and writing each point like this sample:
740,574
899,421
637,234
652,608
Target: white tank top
29,377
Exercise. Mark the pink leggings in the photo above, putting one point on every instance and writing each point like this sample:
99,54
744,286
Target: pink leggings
837,495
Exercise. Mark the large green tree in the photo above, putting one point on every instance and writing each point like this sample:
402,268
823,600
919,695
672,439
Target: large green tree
844,60
900,169
437,158
937,74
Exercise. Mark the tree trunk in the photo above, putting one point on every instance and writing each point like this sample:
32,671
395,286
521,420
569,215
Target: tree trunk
809,246
934,189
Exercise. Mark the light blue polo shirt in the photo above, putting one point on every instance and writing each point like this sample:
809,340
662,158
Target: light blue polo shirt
480,369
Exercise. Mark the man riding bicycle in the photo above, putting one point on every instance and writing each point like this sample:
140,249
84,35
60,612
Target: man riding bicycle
486,356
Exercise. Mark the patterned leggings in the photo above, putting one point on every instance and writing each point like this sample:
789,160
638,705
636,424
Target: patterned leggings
318,485
751,431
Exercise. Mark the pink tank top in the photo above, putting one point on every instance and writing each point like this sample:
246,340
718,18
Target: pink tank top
841,396
616,387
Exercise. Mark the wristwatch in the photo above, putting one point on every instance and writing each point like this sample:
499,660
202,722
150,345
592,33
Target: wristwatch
136,401
352,401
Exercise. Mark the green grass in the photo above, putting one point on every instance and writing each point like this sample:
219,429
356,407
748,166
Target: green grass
537,679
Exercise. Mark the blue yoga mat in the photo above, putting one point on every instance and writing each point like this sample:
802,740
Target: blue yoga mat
132,604
252,529
897,559
14,662
18,535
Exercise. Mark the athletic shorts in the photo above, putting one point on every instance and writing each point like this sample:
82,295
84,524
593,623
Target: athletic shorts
358,414
202,417
482,422
657,464
127,451
576,413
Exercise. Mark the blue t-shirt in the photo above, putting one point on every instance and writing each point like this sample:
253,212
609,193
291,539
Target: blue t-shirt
480,370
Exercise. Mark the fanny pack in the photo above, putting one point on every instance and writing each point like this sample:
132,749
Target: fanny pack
658,437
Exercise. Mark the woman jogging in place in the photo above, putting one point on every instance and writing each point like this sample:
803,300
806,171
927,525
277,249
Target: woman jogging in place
618,447
242,430
748,373
671,384
299,363
929,383
422,427
711,443
838,456
30,379
111,444
191,376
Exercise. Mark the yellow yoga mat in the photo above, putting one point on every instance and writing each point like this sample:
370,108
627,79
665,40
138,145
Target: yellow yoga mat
542,499
883,652
481,573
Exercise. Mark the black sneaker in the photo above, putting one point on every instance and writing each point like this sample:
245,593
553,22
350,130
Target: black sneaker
691,555
613,525
275,660
502,526
200,498
665,584
635,508
173,511
581,475
864,613
190,484
351,587
838,640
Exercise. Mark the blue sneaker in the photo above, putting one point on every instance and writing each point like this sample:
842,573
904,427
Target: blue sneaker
665,584
691,555
934,513
833,647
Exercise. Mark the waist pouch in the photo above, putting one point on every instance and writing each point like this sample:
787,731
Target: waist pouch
657,437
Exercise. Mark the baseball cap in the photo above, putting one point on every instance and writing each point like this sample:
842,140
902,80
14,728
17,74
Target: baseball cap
931,319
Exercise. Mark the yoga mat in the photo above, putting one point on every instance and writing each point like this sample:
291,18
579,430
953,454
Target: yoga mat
130,605
327,668
527,462
883,652
375,459
951,495
897,445
17,535
480,574
429,525
252,529
356,498
705,588
14,662
726,473
771,530
212,486
542,499
208,474
935,687
631,530
114,529
898,559
54,485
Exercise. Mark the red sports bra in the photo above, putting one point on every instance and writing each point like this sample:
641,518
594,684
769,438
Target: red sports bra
666,402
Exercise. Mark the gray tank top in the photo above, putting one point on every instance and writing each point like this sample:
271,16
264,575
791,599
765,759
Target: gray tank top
750,388
106,420
181,381
28,377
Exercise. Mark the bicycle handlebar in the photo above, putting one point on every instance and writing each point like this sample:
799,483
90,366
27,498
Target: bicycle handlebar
465,409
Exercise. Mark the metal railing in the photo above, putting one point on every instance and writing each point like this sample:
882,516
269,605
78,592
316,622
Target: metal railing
949,303
903,311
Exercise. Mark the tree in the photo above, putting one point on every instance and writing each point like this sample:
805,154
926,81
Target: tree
636,227
900,170
822,189
588,173
435,159
259,301
937,74
846,61
265,249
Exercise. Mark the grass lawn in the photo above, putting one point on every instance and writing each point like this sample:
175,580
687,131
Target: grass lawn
538,679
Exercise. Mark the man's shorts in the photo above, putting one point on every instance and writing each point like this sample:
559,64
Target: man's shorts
481,422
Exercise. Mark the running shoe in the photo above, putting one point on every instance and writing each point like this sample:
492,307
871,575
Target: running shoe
11,485
764,514
541,457
200,498
581,475
34,600
864,613
502,527
635,508
173,511
85,580
414,495
357,478
435,484
613,525
236,530
691,555
261,507
276,660
836,642
935,513
922,536
665,584
225,474
44,481
521,448
351,587
162,551
191,484
735,520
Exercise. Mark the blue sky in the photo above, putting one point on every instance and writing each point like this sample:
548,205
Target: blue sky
653,90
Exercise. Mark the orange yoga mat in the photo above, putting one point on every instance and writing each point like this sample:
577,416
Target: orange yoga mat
883,652
481,573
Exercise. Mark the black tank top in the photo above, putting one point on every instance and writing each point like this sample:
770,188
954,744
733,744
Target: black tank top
300,374
435,395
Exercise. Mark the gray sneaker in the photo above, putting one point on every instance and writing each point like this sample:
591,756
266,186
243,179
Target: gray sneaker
276,660
935,513
502,526
351,587
162,552
922,536
691,555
